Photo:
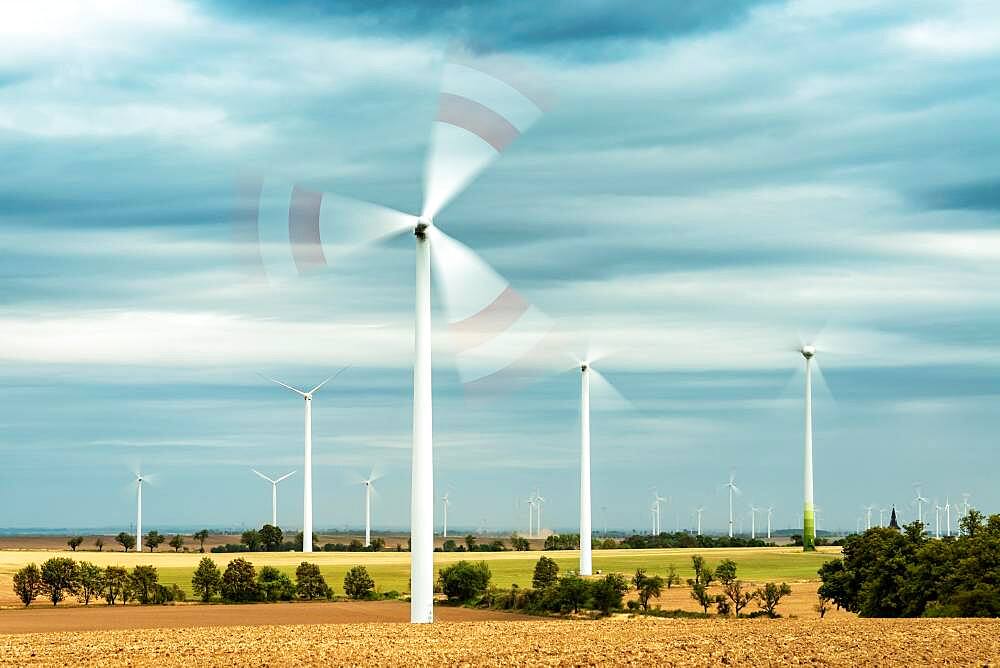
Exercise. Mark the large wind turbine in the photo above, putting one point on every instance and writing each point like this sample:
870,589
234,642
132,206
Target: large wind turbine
274,493
485,104
733,489
368,485
138,512
808,509
307,510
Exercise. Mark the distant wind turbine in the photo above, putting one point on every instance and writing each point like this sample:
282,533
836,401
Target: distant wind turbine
657,500
881,516
274,493
770,512
444,505
919,501
307,510
369,488
138,514
733,489
868,517
753,522
937,519
947,511
699,510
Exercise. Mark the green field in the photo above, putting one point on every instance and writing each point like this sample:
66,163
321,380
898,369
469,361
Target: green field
391,569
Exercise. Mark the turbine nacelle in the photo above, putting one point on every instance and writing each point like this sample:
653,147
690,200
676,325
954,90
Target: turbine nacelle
421,228
808,351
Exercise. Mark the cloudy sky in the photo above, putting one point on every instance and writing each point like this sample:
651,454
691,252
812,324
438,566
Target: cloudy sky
713,186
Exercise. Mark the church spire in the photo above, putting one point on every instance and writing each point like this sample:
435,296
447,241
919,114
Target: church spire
893,524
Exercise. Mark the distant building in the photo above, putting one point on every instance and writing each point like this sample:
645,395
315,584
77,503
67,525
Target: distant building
893,524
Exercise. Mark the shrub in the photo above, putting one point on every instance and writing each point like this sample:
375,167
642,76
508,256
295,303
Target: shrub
143,581
571,593
239,582
163,594
309,582
770,595
608,592
463,581
116,585
271,537
647,586
358,583
207,579
91,582
274,585
60,576
28,583
546,573
703,576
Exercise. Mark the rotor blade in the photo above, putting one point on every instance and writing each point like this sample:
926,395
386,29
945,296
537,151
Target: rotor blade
606,396
500,340
329,379
485,104
282,230
289,387
264,476
287,475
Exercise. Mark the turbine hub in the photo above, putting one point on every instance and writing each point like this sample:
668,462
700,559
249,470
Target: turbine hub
423,224
808,351
583,368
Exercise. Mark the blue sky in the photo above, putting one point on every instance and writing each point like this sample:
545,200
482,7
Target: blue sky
713,185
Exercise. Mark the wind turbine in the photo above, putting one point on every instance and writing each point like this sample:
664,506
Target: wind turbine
770,512
484,105
699,510
919,501
808,351
732,489
868,517
531,515
753,522
947,511
307,510
444,505
937,519
539,500
369,487
657,499
138,514
881,516
965,502
274,494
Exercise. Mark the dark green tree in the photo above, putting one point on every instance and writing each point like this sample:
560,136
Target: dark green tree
546,573
207,579
116,584
177,542
647,587
74,542
309,582
153,540
91,582
201,537
608,592
143,581
274,585
572,592
251,539
703,576
60,576
470,542
463,580
239,581
271,537
358,583
126,540
770,595
99,544
519,543
28,584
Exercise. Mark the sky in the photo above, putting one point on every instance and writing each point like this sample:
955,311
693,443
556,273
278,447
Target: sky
715,184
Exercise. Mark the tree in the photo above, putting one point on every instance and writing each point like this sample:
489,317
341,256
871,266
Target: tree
703,576
358,583
733,588
126,540
60,576
207,580
470,542
309,582
154,540
143,581
28,584
647,587
823,606
608,592
672,577
91,581
518,543
463,580
177,542
572,592
75,542
726,571
274,585
546,573
99,544
449,545
239,582
770,595
116,584
201,537
271,537
316,546
251,539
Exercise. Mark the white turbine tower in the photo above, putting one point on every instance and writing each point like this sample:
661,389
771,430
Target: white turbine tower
657,500
881,516
733,489
919,501
307,510
770,513
138,513
753,522
274,493
368,484
699,510
937,519
965,503
868,517
808,509
444,506
539,500
531,516
947,512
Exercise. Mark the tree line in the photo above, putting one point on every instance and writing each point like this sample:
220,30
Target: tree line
890,573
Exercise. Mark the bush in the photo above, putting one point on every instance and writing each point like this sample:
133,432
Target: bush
60,576
565,541
770,595
28,583
358,583
91,582
207,580
163,594
608,592
571,593
463,581
274,585
239,582
143,582
647,586
546,573
309,582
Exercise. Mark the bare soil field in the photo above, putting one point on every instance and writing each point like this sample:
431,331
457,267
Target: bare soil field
105,618
618,641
